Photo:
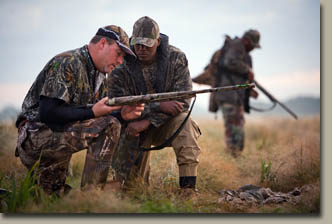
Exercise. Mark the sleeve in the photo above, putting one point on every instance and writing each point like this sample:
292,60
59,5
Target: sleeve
117,84
60,79
178,80
55,112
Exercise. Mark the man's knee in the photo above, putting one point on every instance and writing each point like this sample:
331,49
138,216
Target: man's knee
115,126
190,128
115,122
188,136
109,125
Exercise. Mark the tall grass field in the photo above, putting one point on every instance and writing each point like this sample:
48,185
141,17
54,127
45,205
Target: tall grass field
280,154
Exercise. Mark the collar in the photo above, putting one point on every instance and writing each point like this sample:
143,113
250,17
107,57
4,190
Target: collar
90,65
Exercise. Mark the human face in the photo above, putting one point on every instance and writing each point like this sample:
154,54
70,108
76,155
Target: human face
248,45
110,57
146,54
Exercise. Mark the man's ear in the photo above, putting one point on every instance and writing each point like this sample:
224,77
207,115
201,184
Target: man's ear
158,40
102,43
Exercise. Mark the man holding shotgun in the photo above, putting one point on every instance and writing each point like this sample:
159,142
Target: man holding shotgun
56,122
232,65
159,67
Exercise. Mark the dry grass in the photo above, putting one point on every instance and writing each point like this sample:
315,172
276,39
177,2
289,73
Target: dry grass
292,148
10,166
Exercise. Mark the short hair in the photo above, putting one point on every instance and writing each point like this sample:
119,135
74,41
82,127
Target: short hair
97,38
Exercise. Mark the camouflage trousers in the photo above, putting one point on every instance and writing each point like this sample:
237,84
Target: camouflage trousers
234,127
53,150
132,164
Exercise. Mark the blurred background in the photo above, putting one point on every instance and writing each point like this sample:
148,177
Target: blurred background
288,64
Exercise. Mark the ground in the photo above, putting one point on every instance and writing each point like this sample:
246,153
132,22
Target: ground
280,154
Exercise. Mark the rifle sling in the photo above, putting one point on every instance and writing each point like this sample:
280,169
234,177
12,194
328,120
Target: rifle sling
175,134
264,110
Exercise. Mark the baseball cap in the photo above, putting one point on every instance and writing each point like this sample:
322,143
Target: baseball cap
253,36
119,35
145,32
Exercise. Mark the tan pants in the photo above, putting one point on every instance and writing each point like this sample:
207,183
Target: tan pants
185,146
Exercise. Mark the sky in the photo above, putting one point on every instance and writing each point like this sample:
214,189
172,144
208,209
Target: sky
288,64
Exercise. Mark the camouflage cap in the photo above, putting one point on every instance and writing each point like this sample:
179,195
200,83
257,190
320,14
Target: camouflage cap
145,32
119,35
253,36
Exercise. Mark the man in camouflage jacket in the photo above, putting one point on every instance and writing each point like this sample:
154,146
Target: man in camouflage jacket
159,67
231,65
56,122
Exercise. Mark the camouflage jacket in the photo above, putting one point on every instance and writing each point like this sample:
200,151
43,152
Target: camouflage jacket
169,73
228,66
233,68
70,76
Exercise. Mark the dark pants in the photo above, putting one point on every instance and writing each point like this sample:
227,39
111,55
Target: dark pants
234,127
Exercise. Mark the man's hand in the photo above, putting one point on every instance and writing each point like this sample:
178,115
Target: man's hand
131,112
101,109
251,75
171,107
253,93
134,128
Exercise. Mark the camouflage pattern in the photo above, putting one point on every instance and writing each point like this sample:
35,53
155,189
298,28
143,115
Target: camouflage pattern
134,165
119,35
69,76
169,73
230,65
234,66
54,149
127,157
72,77
145,32
251,195
124,39
234,127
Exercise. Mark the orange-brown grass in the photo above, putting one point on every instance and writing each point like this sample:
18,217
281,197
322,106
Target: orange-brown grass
291,149
93,201
10,166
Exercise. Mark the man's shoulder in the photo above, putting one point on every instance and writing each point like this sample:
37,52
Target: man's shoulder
120,72
70,53
70,56
72,61
174,50
176,55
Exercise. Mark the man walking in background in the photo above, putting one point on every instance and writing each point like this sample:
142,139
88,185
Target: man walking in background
232,65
